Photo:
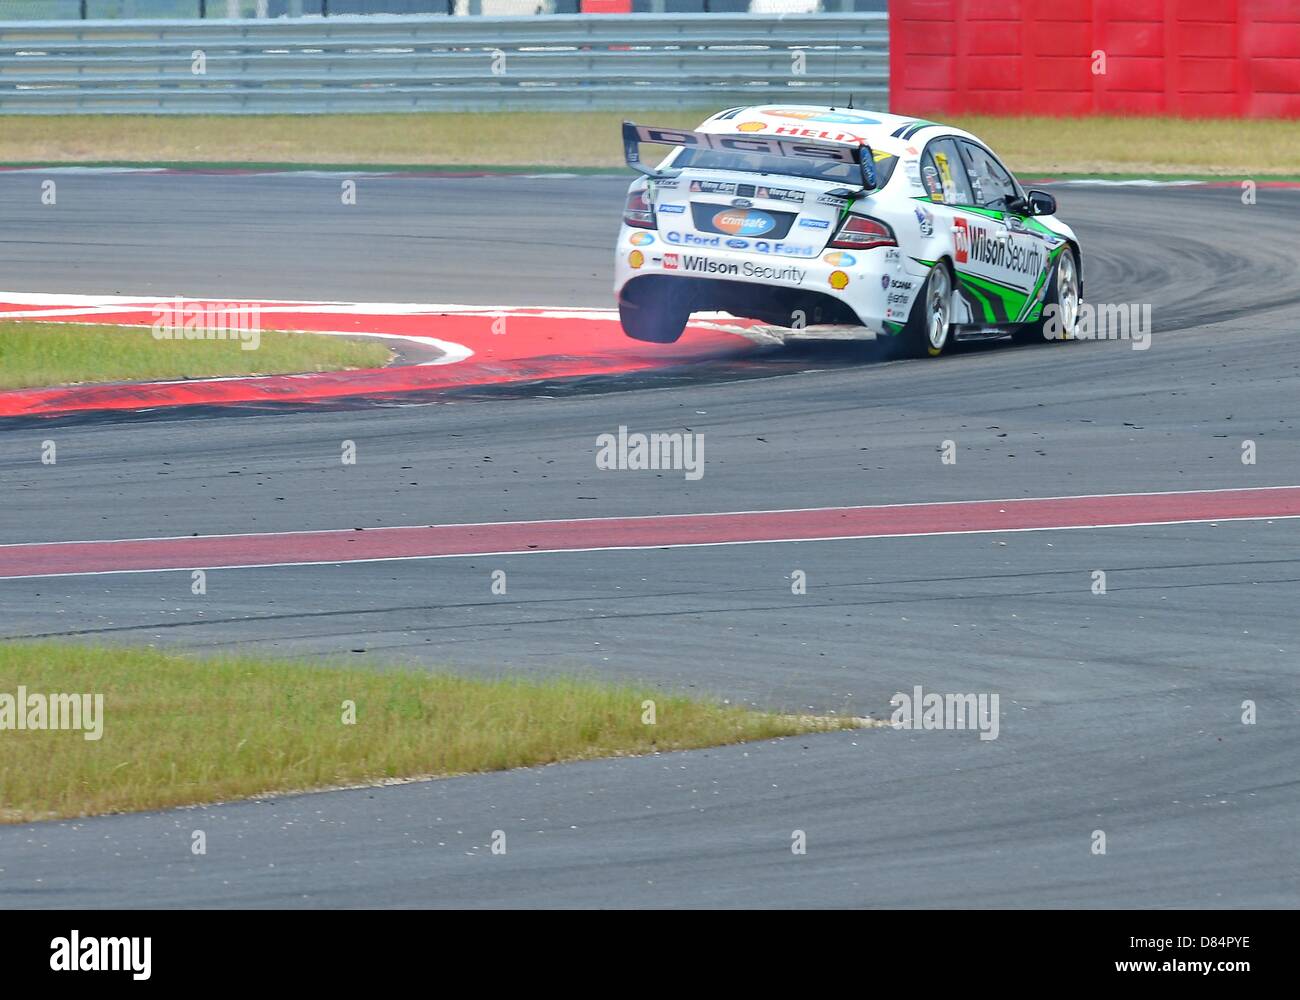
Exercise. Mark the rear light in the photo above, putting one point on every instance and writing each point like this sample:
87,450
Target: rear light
639,212
860,232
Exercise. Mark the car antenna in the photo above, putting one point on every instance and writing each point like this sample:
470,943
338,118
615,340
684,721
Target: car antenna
835,72
850,108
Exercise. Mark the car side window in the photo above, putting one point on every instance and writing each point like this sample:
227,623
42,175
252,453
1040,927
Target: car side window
991,185
943,175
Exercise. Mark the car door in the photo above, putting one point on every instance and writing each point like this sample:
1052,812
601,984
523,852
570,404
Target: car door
948,195
1001,248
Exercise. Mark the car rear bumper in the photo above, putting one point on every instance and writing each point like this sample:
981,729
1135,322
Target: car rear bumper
873,288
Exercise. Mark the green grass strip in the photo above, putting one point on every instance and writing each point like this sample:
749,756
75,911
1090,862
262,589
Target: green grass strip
176,730
47,354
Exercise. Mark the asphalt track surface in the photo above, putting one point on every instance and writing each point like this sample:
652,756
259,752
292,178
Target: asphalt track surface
1120,712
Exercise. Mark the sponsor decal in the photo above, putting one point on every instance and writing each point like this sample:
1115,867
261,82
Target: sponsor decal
713,187
835,117
726,269
826,135
838,280
945,175
780,194
691,240
785,249
707,265
751,126
898,295
641,239
667,184
635,259
744,222
814,223
671,209
961,241
976,244
898,299
735,243
830,199
884,281
893,256
770,273
671,262
741,203
932,185
739,144
924,221
840,259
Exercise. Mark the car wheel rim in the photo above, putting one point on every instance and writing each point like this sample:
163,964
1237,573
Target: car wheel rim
1067,292
937,307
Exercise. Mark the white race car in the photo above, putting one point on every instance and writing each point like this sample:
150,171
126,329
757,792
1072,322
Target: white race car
843,222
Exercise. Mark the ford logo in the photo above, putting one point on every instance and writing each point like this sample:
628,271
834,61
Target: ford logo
741,203
743,222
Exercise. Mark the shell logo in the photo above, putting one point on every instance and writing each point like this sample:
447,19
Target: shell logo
635,259
838,280
751,126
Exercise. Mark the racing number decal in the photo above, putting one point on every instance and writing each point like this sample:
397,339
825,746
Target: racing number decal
945,175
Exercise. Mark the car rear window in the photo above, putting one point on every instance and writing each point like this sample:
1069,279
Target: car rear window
789,166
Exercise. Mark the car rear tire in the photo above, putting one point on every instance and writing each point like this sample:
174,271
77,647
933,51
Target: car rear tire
1064,292
928,331
655,312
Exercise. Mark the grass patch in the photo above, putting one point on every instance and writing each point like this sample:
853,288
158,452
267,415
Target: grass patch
45,354
1141,146
435,139
179,730
1145,146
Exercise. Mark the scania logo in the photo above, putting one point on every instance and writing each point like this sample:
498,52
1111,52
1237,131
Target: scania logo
743,222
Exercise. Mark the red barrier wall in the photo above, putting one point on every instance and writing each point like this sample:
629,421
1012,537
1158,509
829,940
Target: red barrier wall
1191,58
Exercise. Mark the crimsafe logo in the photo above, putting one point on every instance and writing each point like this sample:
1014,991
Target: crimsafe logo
102,954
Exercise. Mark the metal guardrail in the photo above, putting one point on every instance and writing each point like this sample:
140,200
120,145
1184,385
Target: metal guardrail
419,63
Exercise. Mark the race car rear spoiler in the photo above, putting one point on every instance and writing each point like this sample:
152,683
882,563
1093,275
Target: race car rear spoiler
768,145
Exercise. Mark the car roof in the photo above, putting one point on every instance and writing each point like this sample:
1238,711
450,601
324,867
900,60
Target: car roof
880,130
